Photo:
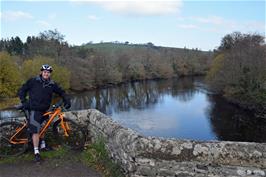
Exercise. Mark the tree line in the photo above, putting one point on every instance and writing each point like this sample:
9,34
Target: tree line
238,70
95,65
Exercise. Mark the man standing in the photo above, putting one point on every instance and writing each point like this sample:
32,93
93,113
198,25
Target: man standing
40,90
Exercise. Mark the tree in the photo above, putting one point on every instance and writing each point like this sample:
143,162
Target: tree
217,82
10,78
13,46
150,44
237,39
239,69
52,35
106,71
18,46
49,43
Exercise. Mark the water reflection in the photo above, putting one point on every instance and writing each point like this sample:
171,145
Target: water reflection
180,108
137,95
10,114
234,124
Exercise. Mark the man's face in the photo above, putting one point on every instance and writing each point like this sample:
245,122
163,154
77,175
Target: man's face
46,74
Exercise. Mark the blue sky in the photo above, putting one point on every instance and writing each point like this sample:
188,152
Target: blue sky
194,24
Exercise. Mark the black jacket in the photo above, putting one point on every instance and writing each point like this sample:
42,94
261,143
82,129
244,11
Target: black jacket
40,93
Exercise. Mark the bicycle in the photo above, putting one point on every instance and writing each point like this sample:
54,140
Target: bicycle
15,139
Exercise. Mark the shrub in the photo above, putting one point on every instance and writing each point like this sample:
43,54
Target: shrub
10,78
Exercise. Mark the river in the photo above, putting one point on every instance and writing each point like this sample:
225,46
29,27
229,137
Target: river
174,108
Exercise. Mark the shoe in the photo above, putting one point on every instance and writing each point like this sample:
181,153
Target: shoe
47,148
37,158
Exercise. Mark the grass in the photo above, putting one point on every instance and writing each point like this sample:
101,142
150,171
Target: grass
59,152
11,160
97,157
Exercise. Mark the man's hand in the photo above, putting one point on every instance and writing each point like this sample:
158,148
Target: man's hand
19,106
25,104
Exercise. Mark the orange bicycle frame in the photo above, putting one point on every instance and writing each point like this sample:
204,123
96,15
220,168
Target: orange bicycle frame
52,114
21,140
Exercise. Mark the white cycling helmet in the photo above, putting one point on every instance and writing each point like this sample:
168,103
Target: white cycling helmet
47,68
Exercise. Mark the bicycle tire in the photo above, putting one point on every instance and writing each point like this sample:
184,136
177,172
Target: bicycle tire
8,129
76,138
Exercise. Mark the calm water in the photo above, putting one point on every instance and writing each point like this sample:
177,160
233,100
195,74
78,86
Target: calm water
177,108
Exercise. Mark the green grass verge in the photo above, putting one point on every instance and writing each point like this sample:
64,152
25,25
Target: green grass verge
97,157
59,152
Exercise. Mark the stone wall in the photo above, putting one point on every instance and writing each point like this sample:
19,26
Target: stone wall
149,156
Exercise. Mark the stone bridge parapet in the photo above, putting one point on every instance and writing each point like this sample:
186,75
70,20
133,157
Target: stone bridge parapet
151,156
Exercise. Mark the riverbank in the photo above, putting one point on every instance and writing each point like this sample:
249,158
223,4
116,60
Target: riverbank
108,85
259,110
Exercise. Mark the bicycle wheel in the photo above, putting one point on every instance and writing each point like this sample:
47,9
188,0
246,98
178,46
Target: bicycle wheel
76,138
7,130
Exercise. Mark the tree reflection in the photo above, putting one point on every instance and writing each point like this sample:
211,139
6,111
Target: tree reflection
230,123
136,95
183,89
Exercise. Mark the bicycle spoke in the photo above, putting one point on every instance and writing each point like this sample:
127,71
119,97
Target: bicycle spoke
7,130
5,138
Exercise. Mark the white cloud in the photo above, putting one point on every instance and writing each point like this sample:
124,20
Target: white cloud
93,17
220,24
52,16
216,20
188,26
15,15
142,7
43,23
259,26
136,7
180,18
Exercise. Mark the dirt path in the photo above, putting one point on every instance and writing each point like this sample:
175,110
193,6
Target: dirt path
66,166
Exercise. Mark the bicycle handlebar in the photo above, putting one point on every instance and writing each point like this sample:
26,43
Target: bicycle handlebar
53,107
58,104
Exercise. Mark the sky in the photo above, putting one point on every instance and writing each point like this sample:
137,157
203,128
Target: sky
172,23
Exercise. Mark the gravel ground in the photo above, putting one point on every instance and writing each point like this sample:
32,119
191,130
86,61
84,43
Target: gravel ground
50,167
